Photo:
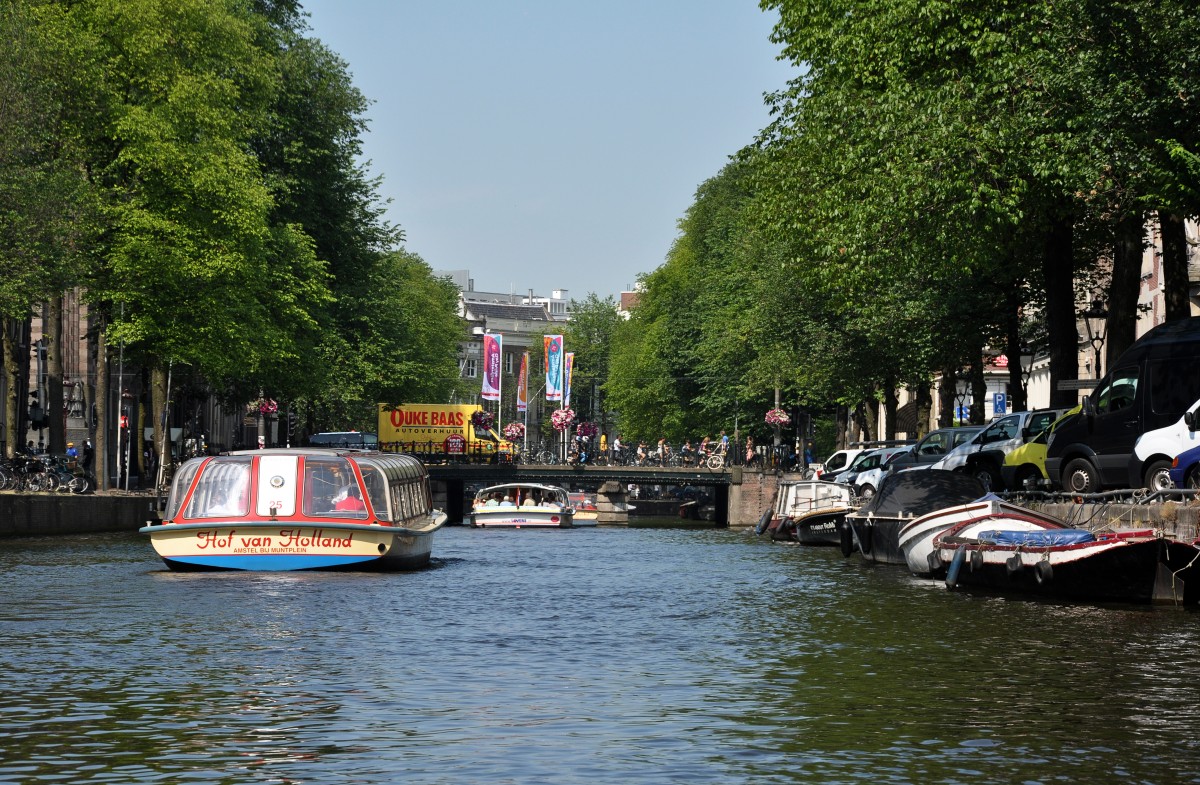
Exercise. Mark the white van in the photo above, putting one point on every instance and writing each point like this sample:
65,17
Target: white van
1158,448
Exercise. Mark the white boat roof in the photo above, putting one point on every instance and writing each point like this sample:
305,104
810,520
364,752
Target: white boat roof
527,486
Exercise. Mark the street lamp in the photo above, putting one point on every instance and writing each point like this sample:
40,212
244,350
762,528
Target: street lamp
1095,321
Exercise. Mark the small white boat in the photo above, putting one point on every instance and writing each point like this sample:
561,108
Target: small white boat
809,512
298,509
990,512
521,506
586,513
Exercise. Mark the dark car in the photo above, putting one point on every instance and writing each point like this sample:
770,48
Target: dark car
933,447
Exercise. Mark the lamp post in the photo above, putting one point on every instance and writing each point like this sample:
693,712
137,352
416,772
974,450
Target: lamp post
1095,321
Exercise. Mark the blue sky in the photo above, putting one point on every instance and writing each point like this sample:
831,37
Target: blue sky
551,143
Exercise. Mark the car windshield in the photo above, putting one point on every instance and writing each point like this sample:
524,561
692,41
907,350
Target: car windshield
859,463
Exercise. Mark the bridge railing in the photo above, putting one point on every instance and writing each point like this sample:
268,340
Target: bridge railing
434,452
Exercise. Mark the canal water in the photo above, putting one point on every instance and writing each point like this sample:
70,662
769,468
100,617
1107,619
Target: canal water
632,656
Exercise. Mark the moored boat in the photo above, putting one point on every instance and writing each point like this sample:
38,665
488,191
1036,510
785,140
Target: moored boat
586,513
873,530
809,512
298,509
522,505
1135,566
991,512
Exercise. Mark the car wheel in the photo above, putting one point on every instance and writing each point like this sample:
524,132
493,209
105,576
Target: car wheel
865,491
1192,480
1080,476
1027,478
988,477
1158,476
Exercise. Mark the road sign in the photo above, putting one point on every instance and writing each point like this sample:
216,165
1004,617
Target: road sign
999,403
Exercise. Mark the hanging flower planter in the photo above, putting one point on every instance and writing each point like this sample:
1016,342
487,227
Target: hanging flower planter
483,419
561,419
514,431
262,406
588,429
778,417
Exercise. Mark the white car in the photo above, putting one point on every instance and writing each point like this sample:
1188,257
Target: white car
867,482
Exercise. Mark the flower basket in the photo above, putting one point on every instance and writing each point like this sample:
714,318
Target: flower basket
483,419
588,429
514,431
561,419
262,406
778,417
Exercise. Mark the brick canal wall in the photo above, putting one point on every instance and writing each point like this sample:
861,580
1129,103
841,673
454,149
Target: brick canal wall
38,514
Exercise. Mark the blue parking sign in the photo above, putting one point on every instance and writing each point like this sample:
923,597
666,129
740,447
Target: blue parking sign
999,403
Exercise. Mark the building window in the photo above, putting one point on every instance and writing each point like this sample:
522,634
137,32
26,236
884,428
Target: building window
508,363
470,368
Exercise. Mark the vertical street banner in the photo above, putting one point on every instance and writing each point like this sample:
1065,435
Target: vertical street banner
554,367
568,367
491,366
523,384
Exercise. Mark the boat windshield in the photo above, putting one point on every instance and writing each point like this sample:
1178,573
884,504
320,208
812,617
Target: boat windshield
181,484
223,489
331,488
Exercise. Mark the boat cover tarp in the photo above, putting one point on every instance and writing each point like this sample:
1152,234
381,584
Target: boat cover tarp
1042,538
921,492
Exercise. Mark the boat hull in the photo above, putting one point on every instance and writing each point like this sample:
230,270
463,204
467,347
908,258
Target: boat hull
275,546
1117,569
875,538
817,528
517,518
916,538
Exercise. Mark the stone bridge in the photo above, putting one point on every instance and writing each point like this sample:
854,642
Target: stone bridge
740,495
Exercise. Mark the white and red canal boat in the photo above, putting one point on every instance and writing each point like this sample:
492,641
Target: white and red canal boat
523,506
298,509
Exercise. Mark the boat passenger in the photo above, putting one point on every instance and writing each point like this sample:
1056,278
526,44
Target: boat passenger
548,503
352,502
529,501
220,504
491,502
507,502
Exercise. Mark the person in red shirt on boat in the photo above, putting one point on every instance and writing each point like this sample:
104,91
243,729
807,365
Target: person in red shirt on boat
352,502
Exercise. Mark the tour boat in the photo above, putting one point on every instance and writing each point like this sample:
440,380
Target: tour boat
809,512
1057,561
298,509
522,505
586,513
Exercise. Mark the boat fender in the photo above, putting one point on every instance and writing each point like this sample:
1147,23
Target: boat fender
1044,572
846,539
956,563
763,522
934,560
1013,564
866,538
976,560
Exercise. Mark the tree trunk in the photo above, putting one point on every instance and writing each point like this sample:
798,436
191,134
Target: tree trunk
946,402
1176,287
842,417
1058,271
978,390
55,408
13,434
1124,288
889,408
868,419
924,401
102,473
1017,392
158,406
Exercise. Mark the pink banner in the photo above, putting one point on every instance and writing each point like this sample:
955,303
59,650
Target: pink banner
491,366
568,367
523,384
554,367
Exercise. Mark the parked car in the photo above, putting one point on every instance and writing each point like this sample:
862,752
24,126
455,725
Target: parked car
861,462
1025,467
867,482
1157,449
838,462
1151,386
1185,469
983,455
933,446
